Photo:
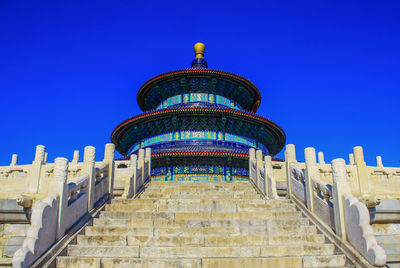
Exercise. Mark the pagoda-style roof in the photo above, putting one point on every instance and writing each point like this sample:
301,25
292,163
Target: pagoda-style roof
225,84
203,119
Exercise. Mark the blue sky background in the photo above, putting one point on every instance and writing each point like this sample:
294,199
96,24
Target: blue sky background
328,71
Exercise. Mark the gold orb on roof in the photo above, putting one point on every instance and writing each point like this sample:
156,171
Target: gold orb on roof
199,50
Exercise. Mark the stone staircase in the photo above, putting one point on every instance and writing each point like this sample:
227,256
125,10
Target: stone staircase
201,224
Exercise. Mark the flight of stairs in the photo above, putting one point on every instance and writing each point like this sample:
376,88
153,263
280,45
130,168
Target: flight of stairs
201,224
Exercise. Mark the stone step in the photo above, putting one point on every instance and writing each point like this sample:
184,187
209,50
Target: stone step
209,240
206,206
167,231
289,262
199,196
201,252
5,262
278,223
146,201
67,262
200,215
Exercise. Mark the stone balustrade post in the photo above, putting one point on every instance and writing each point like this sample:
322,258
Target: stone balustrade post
75,159
59,186
351,159
14,160
290,157
89,169
140,168
109,153
379,161
362,173
147,162
260,165
311,172
321,159
340,188
268,173
130,184
37,168
46,155
39,154
252,157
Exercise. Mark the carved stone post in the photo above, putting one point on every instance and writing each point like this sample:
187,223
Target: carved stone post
311,172
109,153
75,160
362,173
36,168
379,161
14,160
290,157
351,159
46,155
140,169
60,187
252,159
260,166
147,162
130,189
89,168
340,188
268,174
321,159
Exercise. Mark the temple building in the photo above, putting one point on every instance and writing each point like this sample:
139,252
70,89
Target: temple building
200,124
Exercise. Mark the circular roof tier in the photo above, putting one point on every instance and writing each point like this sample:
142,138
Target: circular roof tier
208,119
225,84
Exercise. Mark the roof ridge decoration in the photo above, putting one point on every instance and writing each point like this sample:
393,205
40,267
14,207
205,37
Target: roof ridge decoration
199,62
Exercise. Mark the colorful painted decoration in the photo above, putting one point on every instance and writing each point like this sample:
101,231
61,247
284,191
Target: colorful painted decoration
198,97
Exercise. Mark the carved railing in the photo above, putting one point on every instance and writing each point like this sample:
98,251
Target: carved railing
333,205
261,175
71,199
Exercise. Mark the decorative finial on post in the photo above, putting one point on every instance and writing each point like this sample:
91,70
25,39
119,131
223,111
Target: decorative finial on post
199,50
199,62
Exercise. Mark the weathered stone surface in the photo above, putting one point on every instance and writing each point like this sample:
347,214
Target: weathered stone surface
201,225
103,251
288,262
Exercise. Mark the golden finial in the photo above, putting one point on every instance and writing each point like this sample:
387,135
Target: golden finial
199,50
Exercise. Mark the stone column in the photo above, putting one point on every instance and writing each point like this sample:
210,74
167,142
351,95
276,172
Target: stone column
290,158
109,153
59,186
130,189
321,159
311,172
75,160
340,188
379,161
36,169
89,169
14,160
362,173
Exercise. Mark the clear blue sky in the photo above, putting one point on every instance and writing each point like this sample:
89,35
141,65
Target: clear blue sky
328,71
